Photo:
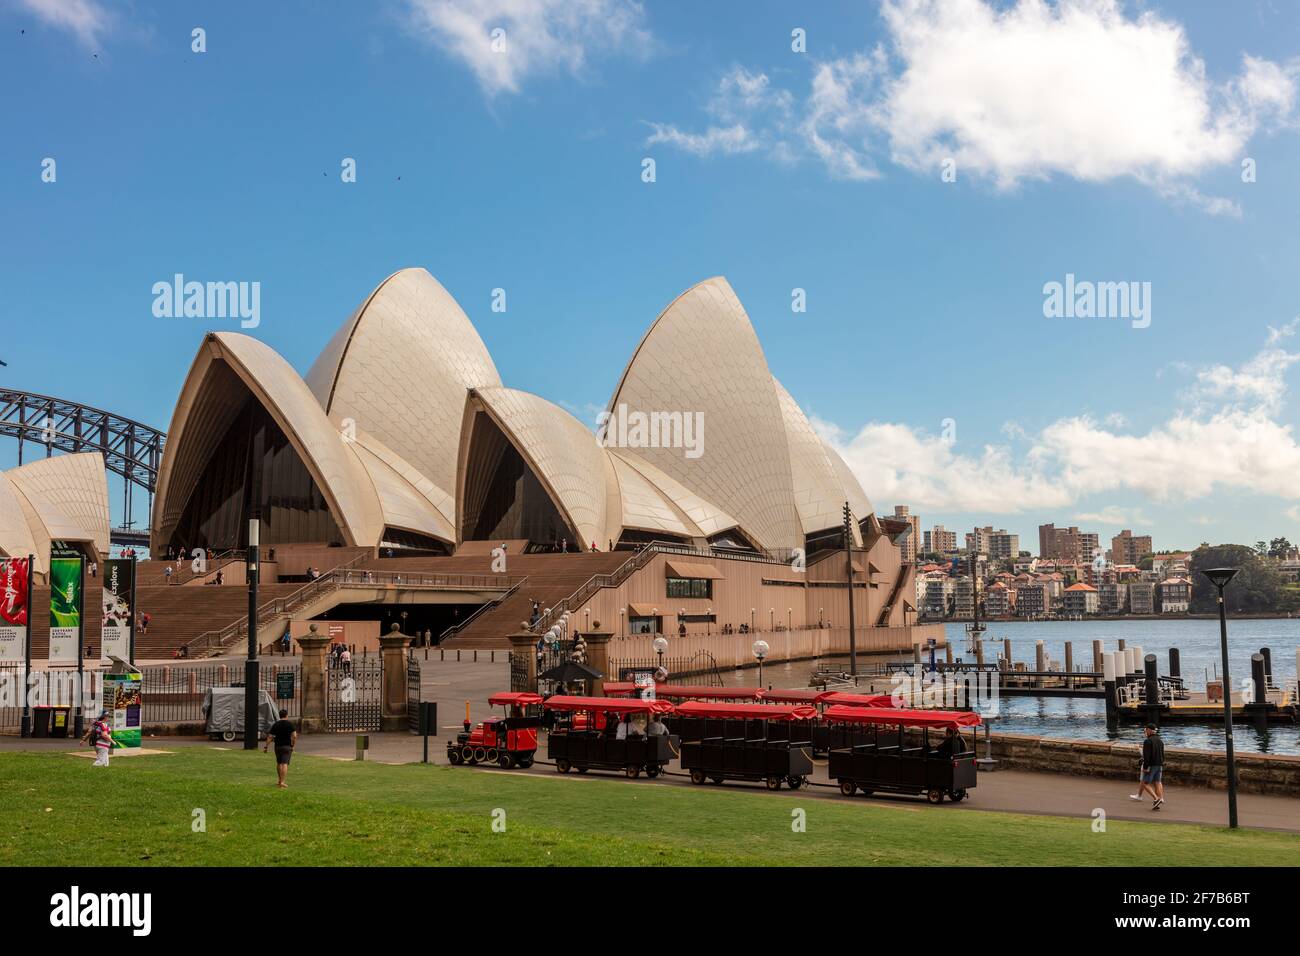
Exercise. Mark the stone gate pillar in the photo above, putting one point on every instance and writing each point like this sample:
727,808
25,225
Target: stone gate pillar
313,681
393,648
598,657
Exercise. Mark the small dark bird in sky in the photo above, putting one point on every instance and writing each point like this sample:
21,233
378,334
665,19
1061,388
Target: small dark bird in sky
4,363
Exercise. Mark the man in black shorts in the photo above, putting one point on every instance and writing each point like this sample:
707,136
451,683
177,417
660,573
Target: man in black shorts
285,736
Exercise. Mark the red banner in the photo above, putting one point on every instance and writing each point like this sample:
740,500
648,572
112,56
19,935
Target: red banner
13,591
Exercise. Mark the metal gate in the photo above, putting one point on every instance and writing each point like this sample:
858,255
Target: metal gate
354,696
519,673
413,695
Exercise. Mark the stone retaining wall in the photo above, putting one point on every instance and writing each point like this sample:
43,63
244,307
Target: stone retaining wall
1256,773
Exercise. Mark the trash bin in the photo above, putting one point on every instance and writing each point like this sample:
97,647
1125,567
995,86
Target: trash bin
40,721
48,721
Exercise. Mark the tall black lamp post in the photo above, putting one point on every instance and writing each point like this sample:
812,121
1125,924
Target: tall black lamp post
252,684
1220,577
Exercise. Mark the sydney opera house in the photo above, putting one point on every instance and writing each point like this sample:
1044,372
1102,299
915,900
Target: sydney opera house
401,446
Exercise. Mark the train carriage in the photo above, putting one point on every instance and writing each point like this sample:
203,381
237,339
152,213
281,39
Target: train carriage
746,741
870,760
587,745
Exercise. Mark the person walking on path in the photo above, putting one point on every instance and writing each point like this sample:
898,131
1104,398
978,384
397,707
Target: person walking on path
285,736
100,736
1153,760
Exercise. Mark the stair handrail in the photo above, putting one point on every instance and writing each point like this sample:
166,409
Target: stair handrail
272,608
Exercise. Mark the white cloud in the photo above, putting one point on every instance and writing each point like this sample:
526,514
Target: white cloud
1236,445
716,139
541,36
1114,516
1030,90
88,19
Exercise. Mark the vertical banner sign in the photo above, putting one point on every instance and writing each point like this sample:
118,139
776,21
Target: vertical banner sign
65,609
119,609
122,698
14,575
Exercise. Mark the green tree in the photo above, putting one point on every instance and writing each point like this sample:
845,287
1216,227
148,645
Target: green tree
1278,548
1257,588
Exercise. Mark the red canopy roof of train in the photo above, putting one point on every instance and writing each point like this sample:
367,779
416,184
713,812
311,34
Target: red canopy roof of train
907,718
702,708
609,705
521,697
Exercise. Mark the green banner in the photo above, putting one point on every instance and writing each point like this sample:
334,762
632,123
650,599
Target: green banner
65,609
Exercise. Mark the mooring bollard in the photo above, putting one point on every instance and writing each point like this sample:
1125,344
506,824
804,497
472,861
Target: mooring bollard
1121,644
1268,663
1040,662
1258,680
1069,659
1175,663
1112,697
1152,686
1098,649
1006,651
1119,664
947,651
363,744
979,653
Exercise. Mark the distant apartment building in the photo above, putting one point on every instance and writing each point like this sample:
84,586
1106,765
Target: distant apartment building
1127,548
1112,597
1000,545
938,594
1065,544
1026,564
963,594
998,600
1142,597
1174,594
1171,565
1031,600
939,540
910,543
1080,599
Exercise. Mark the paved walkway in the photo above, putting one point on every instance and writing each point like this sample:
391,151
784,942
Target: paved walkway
451,684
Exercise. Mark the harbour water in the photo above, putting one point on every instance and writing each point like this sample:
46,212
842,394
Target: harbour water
1198,645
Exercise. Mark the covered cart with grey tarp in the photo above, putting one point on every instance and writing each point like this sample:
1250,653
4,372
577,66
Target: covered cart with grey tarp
223,712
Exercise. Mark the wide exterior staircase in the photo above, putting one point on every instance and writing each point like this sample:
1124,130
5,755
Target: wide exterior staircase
177,614
549,579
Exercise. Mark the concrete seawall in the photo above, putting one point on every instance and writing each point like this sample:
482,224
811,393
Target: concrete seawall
1276,774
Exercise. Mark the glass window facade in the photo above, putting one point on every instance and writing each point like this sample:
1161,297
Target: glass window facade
690,587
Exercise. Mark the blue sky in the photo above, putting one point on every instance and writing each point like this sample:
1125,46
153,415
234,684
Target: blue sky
1093,138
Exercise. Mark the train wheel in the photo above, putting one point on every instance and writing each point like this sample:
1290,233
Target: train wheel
454,757
583,769
717,780
697,776
957,796
651,770
794,782
227,735
562,766
480,754
525,762
634,772
467,754
505,761
774,783
492,755
847,787
935,796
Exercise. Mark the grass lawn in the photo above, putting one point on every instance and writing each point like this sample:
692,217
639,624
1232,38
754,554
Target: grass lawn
346,813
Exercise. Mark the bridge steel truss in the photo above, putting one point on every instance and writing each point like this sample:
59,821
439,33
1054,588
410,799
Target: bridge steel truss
130,449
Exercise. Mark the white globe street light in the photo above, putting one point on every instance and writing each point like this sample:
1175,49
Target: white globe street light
760,649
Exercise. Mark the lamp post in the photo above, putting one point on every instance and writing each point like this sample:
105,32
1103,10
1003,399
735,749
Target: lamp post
771,619
622,617
751,619
708,622
660,644
251,676
681,621
1220,577
760,650
788,612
